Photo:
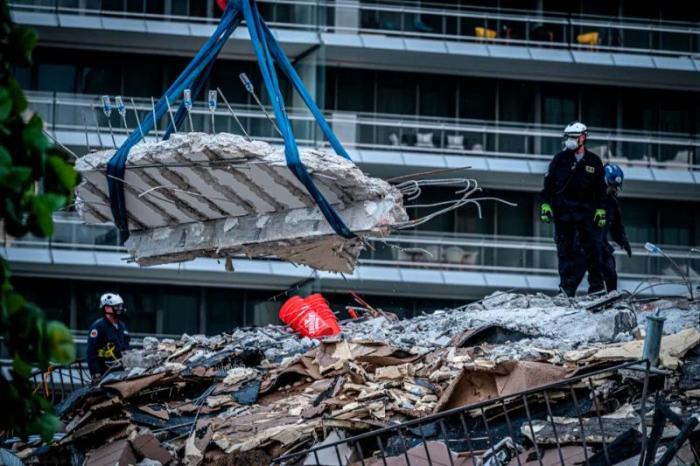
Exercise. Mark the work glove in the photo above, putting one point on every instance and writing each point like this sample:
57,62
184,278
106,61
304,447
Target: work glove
546,213
599,218
626,246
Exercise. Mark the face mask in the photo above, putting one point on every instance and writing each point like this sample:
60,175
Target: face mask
571,143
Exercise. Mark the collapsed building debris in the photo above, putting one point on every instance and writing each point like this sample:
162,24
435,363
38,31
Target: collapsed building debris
258,393
218,195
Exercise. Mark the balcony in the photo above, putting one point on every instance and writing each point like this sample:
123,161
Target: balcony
512,257
465,42
373,131
500,155
474,24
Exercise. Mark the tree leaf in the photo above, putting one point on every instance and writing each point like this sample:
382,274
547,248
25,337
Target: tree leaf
19,101
41,221
15,178
5,104
33,135
14,302
5,157
22,369
61,349
54,201
22,43
45,425
65,173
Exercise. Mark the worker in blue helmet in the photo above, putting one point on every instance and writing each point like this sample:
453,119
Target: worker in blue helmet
573,197
614,177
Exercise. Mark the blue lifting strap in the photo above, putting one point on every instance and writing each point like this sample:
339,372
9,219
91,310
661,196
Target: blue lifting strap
195,75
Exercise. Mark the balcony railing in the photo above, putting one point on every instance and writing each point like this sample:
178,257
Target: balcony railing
490,26
443,251
82,114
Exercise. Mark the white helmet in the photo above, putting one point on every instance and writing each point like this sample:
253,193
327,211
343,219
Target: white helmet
110,299
575,128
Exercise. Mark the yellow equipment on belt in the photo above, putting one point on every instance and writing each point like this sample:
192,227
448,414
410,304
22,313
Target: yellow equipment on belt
107,351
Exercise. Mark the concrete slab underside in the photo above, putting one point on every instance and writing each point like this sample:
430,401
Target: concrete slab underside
201,195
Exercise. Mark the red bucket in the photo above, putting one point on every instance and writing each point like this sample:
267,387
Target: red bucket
313,318
319,303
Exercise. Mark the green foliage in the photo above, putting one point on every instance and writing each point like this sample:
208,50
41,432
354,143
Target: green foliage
36,179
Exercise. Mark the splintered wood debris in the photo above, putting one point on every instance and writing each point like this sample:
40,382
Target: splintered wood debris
258,393
219,195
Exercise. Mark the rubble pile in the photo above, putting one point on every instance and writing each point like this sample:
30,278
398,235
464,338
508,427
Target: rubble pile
254,394
219,195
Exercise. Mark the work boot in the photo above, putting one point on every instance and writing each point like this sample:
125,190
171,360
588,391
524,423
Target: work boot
567,292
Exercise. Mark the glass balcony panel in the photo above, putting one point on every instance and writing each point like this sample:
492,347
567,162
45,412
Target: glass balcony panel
514,143
636,150
635,38
679,42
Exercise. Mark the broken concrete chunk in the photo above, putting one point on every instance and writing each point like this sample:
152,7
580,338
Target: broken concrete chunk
394,372
218,195
119,453
239,374
673,348
147,446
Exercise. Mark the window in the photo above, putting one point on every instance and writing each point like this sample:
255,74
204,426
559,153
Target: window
441,223
468,221
355,90
639,217
396,93
52,296
514,221
516,101
477,99
56,78
225,75
101,78
23,76
559,104
180,310
437,96
599,106
224,310
639,110
143,79
675,223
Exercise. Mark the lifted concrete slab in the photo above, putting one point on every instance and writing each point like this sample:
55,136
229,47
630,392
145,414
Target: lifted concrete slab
202,195
301,236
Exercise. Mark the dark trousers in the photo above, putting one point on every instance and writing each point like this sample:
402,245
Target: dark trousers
609,268
574,237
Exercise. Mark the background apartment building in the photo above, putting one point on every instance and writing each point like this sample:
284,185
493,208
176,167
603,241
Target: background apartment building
409,86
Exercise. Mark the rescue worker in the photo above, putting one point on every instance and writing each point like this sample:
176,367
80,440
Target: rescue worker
573,197
614,177
108,337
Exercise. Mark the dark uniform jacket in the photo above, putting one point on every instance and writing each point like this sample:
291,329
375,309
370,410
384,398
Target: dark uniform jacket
574,189
106,343
614,223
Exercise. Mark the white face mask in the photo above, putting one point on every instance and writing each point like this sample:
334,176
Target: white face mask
571,143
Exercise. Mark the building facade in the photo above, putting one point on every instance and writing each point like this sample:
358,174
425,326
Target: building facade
409,87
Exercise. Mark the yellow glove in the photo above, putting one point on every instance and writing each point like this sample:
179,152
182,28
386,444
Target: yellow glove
546,213
599,218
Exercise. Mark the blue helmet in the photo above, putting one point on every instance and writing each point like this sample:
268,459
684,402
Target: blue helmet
614,175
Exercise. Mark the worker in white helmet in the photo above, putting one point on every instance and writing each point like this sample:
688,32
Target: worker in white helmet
573,198
108,337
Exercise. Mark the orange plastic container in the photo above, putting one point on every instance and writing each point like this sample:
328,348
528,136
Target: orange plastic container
312,318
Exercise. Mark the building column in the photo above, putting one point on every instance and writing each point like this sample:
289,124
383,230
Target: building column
310,66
